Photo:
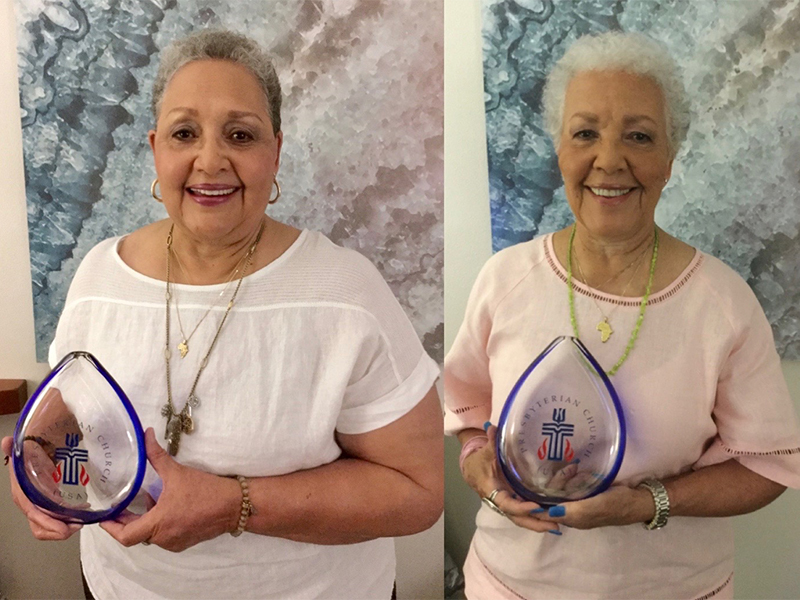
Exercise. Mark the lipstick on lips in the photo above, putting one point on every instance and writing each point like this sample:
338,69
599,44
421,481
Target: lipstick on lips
212,194
610,195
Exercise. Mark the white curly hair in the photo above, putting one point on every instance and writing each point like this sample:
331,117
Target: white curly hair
628,52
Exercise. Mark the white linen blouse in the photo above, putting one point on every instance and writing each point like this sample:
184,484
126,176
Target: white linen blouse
316,343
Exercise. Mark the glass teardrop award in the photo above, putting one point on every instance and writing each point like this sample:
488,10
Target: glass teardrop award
561,434
79,447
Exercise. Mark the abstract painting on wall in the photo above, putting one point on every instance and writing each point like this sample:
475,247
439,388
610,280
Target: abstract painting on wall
733,191
362,121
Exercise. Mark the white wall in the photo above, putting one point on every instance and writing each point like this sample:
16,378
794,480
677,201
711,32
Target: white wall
467,236
32,569
768,542
27,568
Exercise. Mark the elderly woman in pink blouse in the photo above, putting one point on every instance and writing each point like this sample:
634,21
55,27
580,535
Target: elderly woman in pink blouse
711,427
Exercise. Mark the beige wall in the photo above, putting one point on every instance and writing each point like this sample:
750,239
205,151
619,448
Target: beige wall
32,569
768,542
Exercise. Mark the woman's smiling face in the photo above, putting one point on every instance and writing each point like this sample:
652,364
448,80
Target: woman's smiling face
215,152
614,153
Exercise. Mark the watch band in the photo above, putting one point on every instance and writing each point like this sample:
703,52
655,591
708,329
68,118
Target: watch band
661,500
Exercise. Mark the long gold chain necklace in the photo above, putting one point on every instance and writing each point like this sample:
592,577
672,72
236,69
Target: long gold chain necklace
183,347
636,261
642,305
604,326
182,422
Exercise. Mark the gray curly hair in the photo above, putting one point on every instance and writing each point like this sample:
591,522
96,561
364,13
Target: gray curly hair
629,52
220,45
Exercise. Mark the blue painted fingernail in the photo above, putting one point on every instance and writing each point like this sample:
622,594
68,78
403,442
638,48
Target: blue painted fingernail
554,531
487,425
515,497
576,461
556,511
536,511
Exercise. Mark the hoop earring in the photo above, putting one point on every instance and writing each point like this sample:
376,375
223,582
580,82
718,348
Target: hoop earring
153,189
278,186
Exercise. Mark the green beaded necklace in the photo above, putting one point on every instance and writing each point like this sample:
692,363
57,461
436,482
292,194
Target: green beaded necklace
642,306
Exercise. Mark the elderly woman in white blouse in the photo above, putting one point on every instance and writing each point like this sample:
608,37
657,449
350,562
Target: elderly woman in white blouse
315,390
711,429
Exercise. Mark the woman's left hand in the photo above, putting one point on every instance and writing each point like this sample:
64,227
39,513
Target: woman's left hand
619,505
194,506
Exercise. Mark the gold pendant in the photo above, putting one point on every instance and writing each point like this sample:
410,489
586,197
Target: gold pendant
173,436
604,327
184,348
187,424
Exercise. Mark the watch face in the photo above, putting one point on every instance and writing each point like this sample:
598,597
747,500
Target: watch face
79,447
561,434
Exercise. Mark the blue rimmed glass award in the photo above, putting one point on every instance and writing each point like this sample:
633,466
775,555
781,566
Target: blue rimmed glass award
561,434
79,447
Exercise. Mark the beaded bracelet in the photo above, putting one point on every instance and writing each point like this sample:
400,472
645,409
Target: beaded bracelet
247,506
473,444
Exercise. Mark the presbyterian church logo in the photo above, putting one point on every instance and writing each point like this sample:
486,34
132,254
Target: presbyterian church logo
71,459
556,446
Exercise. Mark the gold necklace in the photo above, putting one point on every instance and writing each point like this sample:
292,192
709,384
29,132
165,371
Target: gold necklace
642,305
183,422
619,273
604,326
183,347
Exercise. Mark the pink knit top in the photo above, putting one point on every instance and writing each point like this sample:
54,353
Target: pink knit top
702,385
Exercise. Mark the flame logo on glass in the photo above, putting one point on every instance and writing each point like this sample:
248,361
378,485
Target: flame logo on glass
70,458
556,444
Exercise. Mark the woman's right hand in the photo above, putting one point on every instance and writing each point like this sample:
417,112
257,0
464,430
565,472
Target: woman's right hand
43,526
482,474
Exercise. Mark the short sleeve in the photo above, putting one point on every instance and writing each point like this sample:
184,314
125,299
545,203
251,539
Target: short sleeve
754,414
52,357
392,371
467,381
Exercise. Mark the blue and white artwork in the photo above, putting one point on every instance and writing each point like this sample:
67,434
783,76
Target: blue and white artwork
734,187
362,119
